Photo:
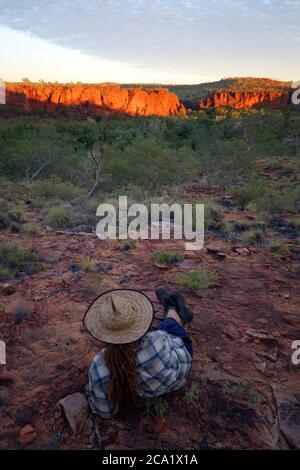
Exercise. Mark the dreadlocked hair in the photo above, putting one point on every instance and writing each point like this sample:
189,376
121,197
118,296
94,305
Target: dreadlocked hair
120,359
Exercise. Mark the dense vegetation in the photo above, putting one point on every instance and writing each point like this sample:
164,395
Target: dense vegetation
245,159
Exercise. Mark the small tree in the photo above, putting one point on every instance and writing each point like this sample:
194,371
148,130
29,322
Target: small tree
38,149
242,196
98,153
251,193
93,139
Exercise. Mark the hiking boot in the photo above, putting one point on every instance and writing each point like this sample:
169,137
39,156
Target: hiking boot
183,311
165,299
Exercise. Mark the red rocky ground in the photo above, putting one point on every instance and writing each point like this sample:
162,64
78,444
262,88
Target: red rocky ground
243,390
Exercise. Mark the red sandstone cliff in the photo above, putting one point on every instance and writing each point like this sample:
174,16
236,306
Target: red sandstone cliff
246,99
134,101
95,98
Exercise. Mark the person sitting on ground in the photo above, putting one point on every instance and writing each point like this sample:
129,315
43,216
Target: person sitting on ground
136,362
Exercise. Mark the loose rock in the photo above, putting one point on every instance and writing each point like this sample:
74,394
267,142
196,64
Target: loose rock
289,423
27,434
242,251
75,407
8,289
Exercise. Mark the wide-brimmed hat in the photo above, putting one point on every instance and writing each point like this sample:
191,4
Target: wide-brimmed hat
119,316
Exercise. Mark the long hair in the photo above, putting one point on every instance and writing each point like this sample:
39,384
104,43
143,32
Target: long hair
120,359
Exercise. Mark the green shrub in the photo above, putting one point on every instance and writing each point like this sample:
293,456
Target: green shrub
279,201
10,191
4,205
294,224
242,197
134,193
213,216
147,162
4,222
279,247
15,227
55,189
59,218
91,206
6,274
16,214
167,257
32,228
82,220
14,259
87,265
196,279
243,390
253,237
128,244
155,406
193,393
252,192
244,225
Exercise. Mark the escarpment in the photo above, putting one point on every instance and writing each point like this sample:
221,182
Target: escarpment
246,99
143,101
93,98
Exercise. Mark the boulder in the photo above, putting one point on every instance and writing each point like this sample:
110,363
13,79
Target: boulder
289,423
27,434
7,289
242,251
261,366
75,408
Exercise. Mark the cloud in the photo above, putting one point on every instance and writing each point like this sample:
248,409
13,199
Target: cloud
160,33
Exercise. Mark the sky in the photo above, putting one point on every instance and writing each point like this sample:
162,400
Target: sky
149,41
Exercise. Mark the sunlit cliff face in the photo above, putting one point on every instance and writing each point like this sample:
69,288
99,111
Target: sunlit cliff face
244,99
97,98
136,101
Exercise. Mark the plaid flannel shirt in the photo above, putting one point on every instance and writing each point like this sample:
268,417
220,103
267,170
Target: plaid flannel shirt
163,365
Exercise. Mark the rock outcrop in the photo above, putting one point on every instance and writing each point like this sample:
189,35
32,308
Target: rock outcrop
93,98
98,99
27,434
246,99
76,409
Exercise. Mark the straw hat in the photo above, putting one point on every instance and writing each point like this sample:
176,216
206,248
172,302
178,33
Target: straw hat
119,316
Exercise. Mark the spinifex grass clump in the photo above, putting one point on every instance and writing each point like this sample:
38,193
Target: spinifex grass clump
279,248
59,218
167,257
128,244
193,393
14,260
87,265
154,406
11,216
54,189
214,217
32,228
253,237
16,214
244,225
197,279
